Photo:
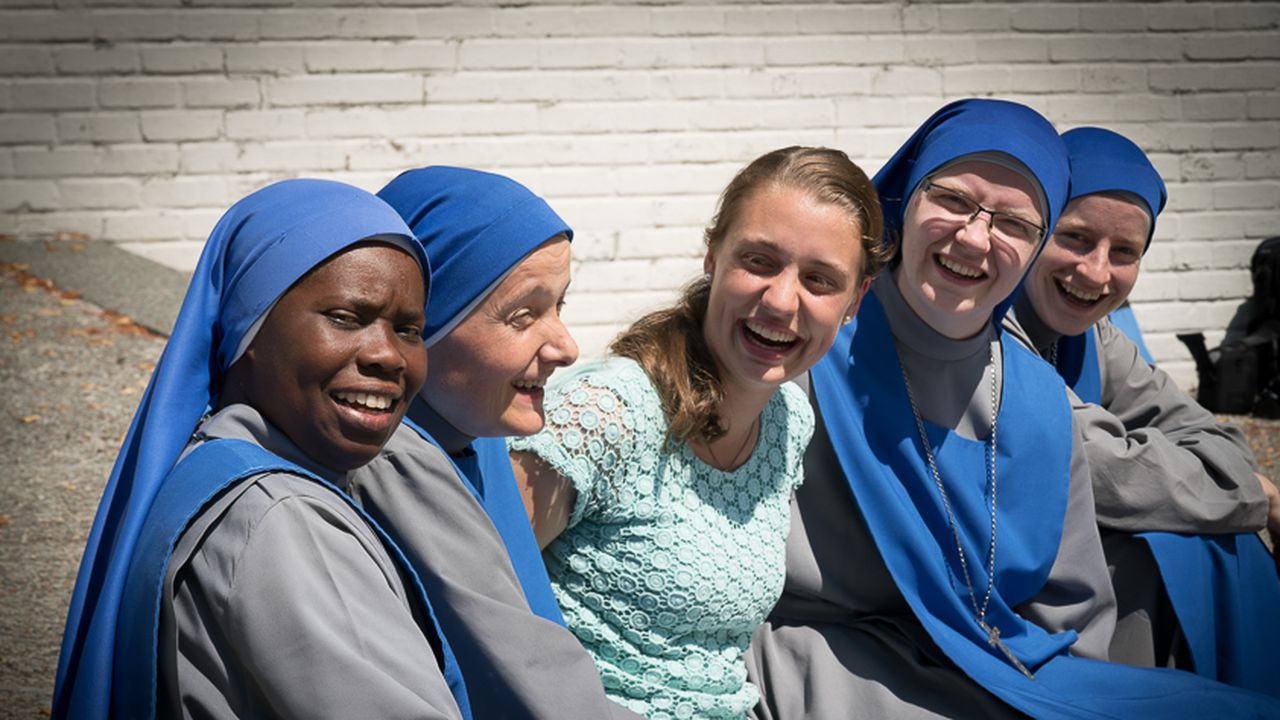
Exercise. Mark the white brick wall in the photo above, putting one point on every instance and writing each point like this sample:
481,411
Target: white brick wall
141,121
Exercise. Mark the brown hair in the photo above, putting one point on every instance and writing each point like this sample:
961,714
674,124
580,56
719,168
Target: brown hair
669,343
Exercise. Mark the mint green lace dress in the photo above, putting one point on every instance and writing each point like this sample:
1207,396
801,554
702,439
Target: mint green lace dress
667,565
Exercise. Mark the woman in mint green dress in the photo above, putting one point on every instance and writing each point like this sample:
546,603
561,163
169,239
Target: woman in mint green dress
660,487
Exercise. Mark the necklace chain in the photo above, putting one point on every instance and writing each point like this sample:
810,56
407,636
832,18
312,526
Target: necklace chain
750,432
980,612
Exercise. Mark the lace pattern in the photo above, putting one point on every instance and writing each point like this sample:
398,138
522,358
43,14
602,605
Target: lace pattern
668,564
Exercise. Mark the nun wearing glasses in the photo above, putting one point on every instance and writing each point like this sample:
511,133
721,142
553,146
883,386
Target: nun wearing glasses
944,558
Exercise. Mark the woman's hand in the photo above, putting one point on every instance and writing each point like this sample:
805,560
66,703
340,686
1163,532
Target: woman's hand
548,496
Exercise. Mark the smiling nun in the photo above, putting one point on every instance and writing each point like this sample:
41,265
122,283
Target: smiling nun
500,268
1177,493
228,573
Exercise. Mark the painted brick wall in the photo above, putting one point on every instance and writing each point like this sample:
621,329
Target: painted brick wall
141,120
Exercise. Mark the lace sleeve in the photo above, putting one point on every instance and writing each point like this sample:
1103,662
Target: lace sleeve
589,438
800,426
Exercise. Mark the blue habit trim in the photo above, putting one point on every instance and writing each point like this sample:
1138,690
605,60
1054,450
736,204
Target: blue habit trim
488,477
1223,588
1078,364
501,499
208,471
863,402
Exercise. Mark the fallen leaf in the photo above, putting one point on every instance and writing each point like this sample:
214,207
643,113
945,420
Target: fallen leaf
4,519
28,419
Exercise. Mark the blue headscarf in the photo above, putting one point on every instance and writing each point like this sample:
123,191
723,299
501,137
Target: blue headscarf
476,227
1105,161
260,247
968,127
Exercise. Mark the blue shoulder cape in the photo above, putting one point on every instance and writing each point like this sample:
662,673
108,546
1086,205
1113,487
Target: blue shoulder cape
197,480
1223,588
863,402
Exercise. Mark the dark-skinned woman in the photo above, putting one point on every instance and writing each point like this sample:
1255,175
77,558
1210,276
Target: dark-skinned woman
228,573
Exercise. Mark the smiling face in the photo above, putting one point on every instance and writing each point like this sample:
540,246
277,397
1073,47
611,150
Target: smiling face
954,273
1091,263
338,358
487,374
783,279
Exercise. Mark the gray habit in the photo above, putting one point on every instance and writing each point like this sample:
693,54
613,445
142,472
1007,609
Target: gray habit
842,642
515,663
281,602
1159,462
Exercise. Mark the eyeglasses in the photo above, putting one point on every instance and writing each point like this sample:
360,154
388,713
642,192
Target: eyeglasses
955,205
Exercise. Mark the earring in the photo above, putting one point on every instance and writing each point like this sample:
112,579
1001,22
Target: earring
848,319
706,276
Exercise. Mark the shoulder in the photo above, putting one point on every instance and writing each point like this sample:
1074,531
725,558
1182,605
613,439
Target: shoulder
408,454
618,376
792,409
284,497
611,389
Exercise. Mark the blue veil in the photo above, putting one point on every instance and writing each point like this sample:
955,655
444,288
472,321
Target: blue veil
860,392
258,249
476,227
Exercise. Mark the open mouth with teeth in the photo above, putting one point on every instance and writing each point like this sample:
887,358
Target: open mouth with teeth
365,402
955,270
774,341
530,387
1077,297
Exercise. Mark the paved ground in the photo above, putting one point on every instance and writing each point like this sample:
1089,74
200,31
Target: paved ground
70,376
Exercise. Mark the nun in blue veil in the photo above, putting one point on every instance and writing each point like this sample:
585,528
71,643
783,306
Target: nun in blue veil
944,558
226,556
1178,496
500,268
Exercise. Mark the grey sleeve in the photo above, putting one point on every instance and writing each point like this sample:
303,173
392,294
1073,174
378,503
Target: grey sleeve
1160,461
516,663
1078,594
312,612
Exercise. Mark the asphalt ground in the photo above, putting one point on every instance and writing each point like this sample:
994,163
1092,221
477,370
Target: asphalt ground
82,326
71,374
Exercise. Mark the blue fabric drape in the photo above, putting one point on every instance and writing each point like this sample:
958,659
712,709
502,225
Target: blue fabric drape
258,249
196,481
